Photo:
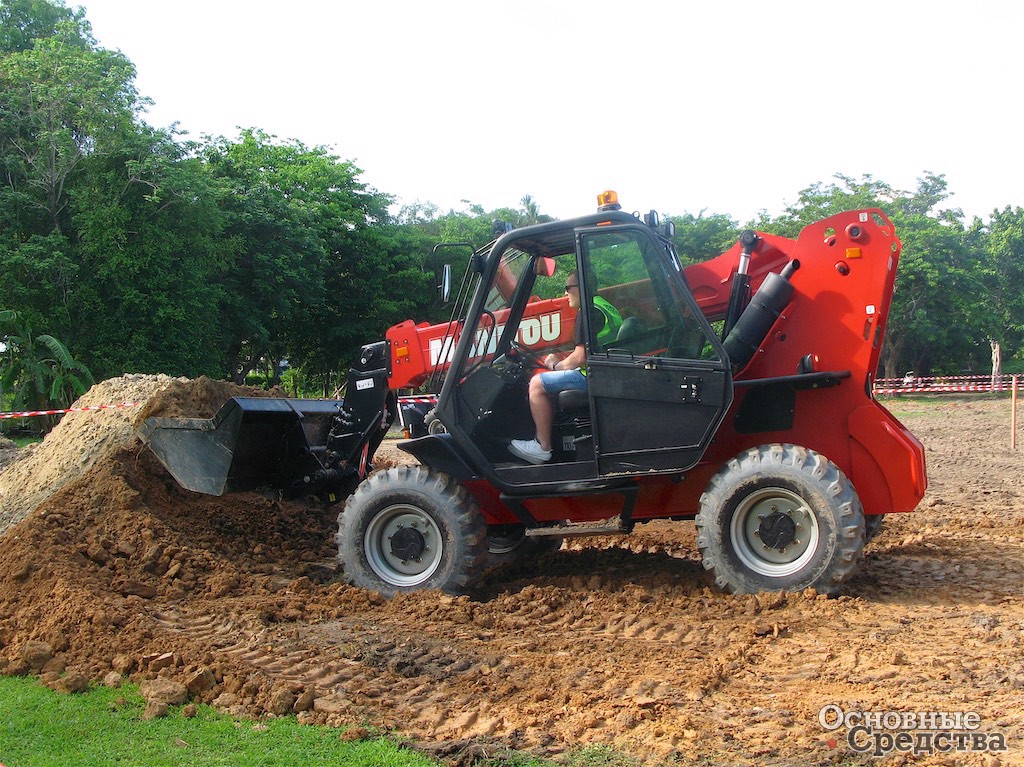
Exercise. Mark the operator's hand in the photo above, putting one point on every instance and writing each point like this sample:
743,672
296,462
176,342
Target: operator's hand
550,361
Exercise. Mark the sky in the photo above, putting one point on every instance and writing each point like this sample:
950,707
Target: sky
728,107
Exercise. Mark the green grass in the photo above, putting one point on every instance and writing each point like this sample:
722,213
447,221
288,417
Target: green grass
22,440
40,728
104,728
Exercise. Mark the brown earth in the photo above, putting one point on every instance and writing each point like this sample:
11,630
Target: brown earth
608,641
9,452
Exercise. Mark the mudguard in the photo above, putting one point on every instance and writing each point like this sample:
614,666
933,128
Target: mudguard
438,452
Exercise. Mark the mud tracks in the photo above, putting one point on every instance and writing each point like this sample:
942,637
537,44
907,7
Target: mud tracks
618,642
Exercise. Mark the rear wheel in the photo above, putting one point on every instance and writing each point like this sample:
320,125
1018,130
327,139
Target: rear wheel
433,423
410,528
780,518
510,543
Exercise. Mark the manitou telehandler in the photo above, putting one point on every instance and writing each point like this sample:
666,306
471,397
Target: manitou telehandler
737,393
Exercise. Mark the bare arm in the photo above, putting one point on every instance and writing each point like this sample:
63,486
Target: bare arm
574,359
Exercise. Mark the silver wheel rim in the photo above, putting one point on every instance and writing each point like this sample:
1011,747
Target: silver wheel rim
393,569
747,523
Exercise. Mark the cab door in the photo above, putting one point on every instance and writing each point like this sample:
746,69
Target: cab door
661,385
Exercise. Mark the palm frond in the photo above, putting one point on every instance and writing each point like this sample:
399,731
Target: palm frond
57,349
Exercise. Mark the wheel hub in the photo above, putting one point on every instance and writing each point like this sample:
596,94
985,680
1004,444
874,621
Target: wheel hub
774,532
403,545
408,543
777,531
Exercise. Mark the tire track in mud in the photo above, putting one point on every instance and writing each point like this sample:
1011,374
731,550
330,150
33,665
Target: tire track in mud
638,653
614,641
578,675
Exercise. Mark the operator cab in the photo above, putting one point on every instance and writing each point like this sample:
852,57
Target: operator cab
659,381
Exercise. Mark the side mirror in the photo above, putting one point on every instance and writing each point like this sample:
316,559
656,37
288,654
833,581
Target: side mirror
444,287
544,267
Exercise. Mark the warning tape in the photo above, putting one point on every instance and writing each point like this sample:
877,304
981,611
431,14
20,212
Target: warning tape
90,408
975,380
982,384
428,400
940,389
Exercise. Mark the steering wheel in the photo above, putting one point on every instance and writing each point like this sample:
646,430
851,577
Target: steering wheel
528,356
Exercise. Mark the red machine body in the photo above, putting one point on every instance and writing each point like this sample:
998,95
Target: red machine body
840,306
834,322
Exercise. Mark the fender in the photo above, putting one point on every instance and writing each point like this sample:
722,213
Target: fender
438,451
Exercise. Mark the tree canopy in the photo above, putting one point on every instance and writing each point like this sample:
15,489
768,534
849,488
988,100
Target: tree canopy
124,248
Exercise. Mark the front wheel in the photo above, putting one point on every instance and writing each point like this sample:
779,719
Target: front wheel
410,528
780,518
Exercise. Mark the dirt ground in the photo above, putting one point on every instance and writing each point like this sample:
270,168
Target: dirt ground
617,642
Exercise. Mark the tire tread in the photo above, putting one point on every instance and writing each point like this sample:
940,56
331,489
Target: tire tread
782,458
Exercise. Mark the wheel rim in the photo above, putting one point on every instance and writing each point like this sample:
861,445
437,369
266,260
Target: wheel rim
403,545
774,532
505,540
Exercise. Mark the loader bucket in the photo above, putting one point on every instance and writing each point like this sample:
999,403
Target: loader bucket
251,443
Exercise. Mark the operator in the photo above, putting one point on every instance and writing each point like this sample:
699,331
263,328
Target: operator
563,374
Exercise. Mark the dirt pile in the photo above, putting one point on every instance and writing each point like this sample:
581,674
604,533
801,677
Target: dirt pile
237,602
83,439
75,444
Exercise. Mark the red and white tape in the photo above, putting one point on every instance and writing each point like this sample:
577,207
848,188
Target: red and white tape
428,400
1004,378
941,389
90,408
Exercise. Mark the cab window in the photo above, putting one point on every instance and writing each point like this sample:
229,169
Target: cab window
636,309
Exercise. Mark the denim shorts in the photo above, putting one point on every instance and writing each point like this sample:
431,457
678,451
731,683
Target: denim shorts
555,381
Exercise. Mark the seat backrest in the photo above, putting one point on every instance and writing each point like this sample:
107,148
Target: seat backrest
631,328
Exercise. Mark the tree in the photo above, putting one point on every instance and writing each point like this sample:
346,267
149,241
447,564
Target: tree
38,371
372,284
292,215
821,200
149,240
61,101
530,213
22,22
1002,277
935,314
699,237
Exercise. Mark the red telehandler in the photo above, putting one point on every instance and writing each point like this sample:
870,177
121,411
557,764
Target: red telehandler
736,393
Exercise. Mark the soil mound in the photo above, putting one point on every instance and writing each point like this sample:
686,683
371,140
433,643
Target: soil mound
83,572
199,398
82,439
75,444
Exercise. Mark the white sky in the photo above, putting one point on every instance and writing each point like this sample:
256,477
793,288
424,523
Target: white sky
727,107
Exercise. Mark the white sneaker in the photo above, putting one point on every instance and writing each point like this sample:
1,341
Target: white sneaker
529,450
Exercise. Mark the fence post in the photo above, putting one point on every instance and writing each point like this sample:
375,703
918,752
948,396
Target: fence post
1013,414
